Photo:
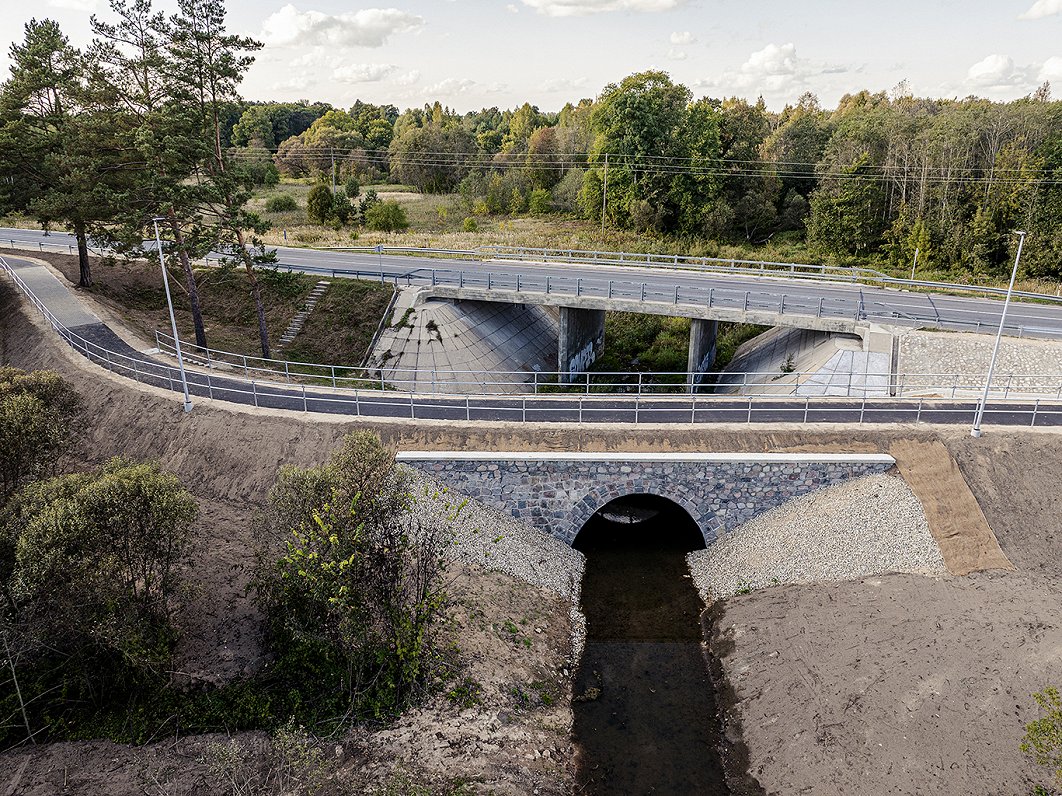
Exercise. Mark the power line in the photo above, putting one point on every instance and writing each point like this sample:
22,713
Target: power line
937,175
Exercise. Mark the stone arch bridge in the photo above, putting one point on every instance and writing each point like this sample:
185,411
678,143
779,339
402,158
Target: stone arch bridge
559,492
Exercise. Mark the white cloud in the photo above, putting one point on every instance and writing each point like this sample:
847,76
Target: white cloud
995,71
578,8
683,37
565,85
453,85
363,73
408,79
676,54
512,8
773,61
776,70
370,27
458,86
299,82
1051,70
1043,8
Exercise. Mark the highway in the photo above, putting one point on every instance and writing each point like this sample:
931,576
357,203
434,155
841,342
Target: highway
681,290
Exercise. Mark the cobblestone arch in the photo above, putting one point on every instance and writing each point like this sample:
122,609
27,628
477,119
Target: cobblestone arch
605,493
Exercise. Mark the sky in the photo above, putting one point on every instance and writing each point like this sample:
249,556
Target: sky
470,54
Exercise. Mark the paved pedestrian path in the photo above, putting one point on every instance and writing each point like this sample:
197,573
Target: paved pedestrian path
67,308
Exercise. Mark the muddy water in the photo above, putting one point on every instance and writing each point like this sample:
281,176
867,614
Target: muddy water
645,711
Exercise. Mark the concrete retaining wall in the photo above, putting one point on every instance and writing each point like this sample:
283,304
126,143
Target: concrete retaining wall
560,492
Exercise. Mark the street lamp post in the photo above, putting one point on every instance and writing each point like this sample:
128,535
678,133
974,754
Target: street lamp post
980,413
173,321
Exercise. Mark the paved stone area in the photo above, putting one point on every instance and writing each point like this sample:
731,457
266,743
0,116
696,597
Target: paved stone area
492,343
1028,366
558,495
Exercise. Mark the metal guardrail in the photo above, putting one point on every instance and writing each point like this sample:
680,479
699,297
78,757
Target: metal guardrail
716,265
582,409
523,382
677,300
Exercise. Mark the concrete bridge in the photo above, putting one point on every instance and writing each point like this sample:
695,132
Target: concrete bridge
581,336
559,492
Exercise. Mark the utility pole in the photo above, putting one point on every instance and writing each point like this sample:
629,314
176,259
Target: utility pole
333,172
604,195
914,264
979,415
173,321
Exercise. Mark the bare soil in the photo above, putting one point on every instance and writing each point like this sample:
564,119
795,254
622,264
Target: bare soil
897,684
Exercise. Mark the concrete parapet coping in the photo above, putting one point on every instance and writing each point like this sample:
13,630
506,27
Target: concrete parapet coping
718,458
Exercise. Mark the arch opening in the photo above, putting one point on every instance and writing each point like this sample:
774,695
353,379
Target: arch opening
640,519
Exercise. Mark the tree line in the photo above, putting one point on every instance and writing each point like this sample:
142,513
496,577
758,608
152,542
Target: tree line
880,176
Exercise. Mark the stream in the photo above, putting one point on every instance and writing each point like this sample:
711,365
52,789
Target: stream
645,710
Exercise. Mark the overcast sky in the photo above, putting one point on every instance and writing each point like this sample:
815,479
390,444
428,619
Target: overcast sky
480,53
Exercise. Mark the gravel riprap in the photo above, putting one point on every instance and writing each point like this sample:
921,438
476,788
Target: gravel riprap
867,526
497,541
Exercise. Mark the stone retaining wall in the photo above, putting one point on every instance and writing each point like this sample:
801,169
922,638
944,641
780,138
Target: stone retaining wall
560,492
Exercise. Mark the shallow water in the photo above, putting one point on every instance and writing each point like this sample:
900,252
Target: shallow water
651,726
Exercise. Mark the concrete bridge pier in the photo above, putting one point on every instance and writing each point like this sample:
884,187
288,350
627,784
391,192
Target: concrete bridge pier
580,340
702,349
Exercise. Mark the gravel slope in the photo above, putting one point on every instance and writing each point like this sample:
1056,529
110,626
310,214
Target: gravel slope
498,542
863,527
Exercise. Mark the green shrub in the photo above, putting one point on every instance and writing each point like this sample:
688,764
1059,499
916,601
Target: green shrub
320,204
352,187
539,202
1043,737
39,425
95,562
281,203
386,217
469,225
350,584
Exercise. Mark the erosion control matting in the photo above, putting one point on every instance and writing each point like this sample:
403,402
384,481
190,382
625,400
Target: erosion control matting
955,519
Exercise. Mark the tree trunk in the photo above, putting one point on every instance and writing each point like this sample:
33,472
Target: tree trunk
256,291
263,332
193,288
85,279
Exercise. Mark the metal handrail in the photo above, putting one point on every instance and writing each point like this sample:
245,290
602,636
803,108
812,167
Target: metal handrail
531,382
722,265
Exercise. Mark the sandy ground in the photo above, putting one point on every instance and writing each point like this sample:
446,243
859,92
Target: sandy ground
938,671
907,684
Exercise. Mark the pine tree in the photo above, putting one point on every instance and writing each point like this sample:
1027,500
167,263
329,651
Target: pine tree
206,67
56,151
129,63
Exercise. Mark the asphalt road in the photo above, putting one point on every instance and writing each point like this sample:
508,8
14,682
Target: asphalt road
659,284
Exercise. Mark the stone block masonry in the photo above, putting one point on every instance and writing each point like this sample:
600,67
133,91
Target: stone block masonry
559,492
